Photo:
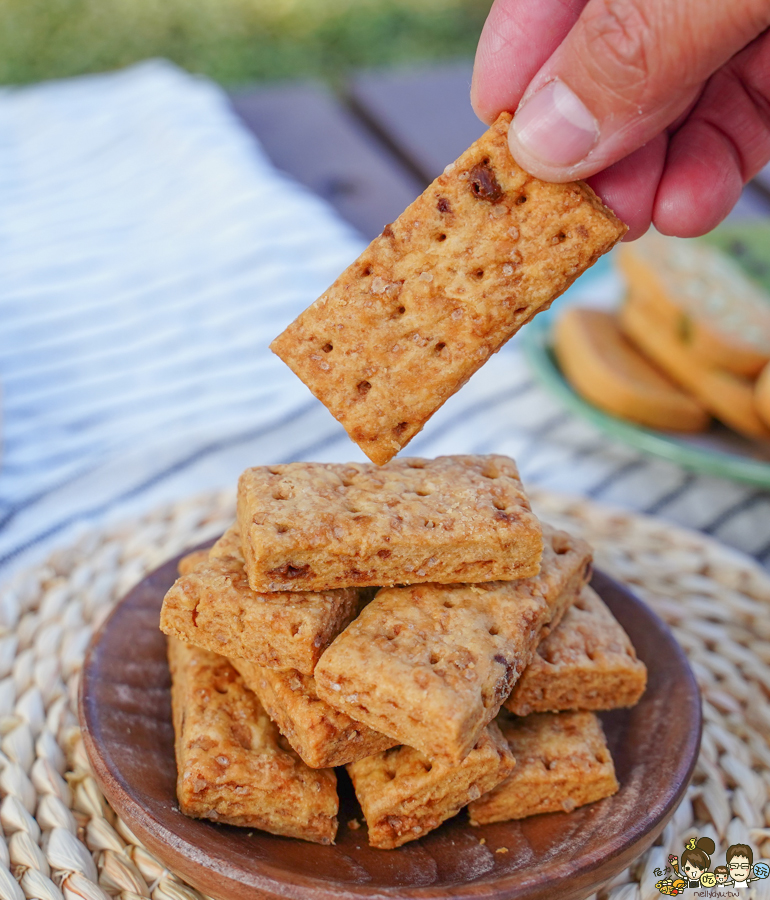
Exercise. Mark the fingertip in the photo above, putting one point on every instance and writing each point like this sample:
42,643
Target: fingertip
516,40
491,88
701,182
482,99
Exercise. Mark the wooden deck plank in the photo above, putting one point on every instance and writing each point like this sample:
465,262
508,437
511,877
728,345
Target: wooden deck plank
424,113
307,133
752,204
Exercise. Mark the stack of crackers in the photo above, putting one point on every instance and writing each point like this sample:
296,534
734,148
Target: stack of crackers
378,617
414,623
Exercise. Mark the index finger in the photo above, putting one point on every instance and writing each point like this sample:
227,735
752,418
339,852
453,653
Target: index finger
517,39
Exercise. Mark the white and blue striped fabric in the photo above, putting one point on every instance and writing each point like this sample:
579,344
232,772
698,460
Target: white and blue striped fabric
149,252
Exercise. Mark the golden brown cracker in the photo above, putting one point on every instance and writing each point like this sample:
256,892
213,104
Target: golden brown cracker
586,662
704,298
214,607
315,526
562,762
762,395
430,665
233,765
404,795
191,561
474,258
729,397
321,735
606,369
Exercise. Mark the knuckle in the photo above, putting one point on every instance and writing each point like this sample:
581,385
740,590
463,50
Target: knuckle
620,40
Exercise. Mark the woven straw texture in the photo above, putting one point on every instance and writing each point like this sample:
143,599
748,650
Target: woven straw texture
61,839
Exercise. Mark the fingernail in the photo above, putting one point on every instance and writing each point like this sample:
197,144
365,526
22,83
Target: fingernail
554,127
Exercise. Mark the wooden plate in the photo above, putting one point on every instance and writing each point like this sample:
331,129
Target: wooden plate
125,713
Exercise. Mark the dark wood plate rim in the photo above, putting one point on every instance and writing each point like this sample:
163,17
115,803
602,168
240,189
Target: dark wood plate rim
570,878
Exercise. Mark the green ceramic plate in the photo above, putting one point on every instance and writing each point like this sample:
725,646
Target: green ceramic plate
749,245
718,451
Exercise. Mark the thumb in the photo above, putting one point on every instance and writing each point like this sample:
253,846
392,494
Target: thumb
625,72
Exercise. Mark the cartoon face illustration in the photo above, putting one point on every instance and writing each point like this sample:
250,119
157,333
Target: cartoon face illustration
721,875
696,859
692,871
740,869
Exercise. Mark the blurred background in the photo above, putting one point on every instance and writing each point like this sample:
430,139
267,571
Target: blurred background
152,245
180,178
232,41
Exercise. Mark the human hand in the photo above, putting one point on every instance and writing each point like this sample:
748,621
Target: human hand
663,106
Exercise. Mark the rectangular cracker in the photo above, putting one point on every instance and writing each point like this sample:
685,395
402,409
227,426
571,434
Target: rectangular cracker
474,258
587,662
192,561
404,796
562,762
213,607
431,664
233,765
314,526
321,735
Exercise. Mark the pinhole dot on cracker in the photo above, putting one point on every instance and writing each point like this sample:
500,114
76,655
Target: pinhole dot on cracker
475,257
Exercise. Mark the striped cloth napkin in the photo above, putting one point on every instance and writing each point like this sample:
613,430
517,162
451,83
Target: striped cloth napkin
149,252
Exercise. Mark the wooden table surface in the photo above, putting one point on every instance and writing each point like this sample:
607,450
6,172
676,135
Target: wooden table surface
372,149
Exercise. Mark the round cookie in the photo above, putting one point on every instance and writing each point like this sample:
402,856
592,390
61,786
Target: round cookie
716,311
729,397
604,368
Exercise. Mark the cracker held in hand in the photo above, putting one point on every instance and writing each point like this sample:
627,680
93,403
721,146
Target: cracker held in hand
431,664
316,526
213,606
474,258
232,764
403,795
323,736
587,662
562,762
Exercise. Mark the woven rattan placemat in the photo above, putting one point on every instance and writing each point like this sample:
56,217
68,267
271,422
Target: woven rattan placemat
62,839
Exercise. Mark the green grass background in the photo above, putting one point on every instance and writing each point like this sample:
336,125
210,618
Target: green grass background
232,41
